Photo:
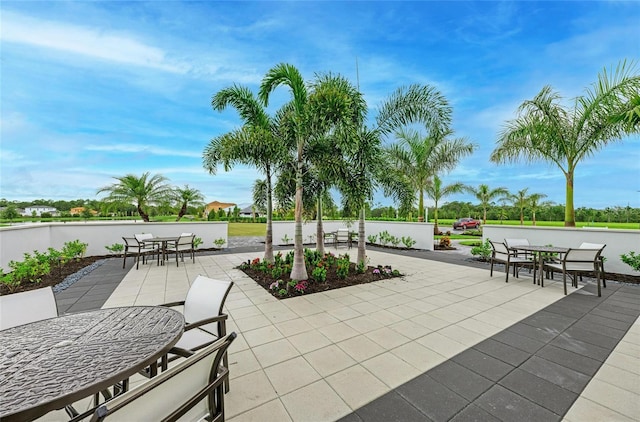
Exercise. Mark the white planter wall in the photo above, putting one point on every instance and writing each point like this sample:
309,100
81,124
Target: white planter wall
422,233
16,240
618,241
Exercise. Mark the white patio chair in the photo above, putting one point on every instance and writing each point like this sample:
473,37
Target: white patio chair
576,261
140,248
342,236
183,245
509,258
204,320
25,307
190,391
587,245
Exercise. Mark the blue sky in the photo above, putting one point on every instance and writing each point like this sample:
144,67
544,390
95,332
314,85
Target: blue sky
93,90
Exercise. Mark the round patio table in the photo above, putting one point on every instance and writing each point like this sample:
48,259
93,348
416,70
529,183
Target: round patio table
48,364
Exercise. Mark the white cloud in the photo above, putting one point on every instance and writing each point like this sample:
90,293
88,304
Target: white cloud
149,149
92,42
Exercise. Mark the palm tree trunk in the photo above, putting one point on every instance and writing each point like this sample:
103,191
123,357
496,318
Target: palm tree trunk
183,211
299,270
319,229
569,212
362,249
144,215
268,243
421,206
435,218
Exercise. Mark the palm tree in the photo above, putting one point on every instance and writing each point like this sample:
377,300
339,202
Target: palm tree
255,144
486,195
187,196
545,130
534,204
315,112
437,192
520,200
141,191
419,157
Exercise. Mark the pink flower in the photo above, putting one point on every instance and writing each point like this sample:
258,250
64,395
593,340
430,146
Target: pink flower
376,271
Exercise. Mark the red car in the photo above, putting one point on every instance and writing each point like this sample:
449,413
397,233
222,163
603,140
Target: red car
466,223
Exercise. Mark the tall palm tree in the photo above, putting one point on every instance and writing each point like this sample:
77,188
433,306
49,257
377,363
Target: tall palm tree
187,196
437,192
545,130
141,191
366,167
255,144
520,200
419,157
486,195
328,102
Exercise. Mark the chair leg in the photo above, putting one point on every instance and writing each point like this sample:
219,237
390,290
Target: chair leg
491,272
564,282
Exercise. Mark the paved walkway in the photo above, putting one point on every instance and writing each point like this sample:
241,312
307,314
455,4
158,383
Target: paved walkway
445,342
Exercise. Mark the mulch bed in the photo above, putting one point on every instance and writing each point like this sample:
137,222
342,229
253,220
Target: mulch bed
332,281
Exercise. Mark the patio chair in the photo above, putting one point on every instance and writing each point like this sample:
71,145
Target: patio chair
204,320
25,307
137,246
587,245
500,253
183,245
342,236
577,261
510,243
192,390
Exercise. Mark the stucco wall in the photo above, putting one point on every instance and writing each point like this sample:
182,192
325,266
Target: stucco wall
422,233
16,240
618,241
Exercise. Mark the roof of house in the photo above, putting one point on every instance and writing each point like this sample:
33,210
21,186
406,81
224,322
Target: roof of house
216,205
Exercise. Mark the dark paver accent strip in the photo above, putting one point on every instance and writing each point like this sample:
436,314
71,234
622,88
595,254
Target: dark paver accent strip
533,370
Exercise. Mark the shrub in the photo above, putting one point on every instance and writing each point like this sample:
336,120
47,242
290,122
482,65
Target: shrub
343,266
74,249
394,241
219,243
483,251
632,260
116,248
197,241
319,274
445,242
408,241
372,238
385,237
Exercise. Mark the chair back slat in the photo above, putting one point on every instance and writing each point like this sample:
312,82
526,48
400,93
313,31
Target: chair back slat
189,391
516,242
587,245
500,248
582,255
25,307
143,236
205,299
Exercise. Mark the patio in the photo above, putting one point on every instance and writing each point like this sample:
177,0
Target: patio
432,345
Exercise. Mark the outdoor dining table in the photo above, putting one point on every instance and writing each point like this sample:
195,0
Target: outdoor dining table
163,241
538,252
49,364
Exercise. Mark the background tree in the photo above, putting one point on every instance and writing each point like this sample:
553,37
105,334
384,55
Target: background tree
420,157
255,144
533,201
10,212
545,130
141,191
486,196
437,192
187,196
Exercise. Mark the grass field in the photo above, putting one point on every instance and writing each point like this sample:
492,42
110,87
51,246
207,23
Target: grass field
247,229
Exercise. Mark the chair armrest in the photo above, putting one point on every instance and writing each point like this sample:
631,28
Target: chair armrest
181,352
218,318
172,304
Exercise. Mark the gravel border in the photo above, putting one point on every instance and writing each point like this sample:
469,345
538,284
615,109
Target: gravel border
75,277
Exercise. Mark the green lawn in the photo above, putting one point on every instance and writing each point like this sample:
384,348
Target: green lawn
247,229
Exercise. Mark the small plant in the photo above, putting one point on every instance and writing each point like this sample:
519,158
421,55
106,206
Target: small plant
632,260
385,238
394,241
372,238
74,249
285,239
343,264
300,286
361,267
445,242
116,248
483,251
319,273
197,241
408,242
219,242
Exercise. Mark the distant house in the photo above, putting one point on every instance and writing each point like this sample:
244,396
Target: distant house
80,210
248,212
38,210
215,206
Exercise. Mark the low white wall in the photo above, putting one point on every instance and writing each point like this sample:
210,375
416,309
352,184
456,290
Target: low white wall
618,241
422,233
16,240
